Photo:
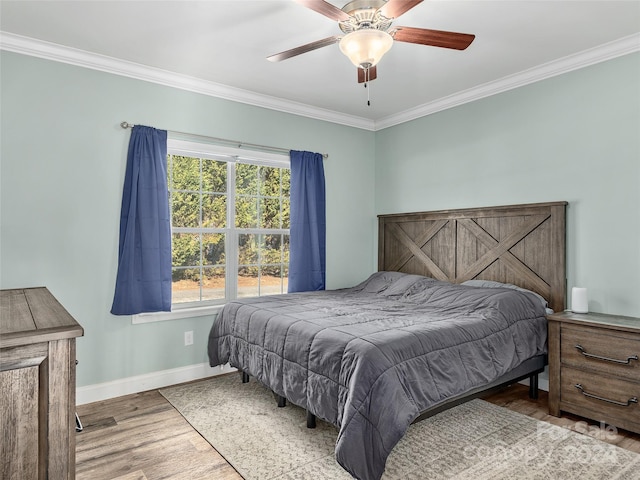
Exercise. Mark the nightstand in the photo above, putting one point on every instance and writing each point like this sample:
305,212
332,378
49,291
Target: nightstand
594,367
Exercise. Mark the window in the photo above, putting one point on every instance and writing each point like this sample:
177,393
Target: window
230,223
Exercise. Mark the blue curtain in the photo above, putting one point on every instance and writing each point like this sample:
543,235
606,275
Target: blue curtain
307,256
143,282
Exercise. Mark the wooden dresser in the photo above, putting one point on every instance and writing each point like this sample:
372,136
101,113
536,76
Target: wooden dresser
594,367
37,386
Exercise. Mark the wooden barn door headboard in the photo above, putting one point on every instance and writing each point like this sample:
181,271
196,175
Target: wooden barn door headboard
519,244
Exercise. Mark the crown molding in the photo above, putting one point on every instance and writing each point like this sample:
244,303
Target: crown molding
58,53
607,51
73,56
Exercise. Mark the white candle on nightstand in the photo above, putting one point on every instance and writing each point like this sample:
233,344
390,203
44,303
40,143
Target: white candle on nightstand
579,302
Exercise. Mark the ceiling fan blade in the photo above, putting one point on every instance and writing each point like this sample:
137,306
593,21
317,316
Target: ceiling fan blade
362,77
326,9
435,38
304,48
395,8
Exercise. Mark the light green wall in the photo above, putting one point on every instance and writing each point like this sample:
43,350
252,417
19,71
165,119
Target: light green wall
62,170
574,137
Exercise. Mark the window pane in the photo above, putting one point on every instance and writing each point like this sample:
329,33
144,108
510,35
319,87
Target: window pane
186,173
271,280
246,179
286,182
213,283
285,278
272,251
185,209
269,213
270,181
213,249
286,213
185,286
285,250
214,211
246,212
248,248
248,281
185,250
214,176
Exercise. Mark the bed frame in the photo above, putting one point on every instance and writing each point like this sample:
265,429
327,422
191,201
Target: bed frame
519,244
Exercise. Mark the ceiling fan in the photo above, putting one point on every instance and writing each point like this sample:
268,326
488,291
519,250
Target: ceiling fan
369,34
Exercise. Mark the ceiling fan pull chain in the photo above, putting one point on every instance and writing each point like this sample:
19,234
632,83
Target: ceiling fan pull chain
367,77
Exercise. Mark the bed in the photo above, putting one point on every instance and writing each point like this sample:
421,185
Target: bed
430,329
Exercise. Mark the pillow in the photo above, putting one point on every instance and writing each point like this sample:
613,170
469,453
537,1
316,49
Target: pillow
492,284
402,284
379,281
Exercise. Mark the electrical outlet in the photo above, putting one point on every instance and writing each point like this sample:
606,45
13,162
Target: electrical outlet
188,338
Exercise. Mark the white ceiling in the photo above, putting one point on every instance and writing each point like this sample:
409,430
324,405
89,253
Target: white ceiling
225,44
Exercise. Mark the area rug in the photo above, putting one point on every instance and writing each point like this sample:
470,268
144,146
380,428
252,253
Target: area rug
476,440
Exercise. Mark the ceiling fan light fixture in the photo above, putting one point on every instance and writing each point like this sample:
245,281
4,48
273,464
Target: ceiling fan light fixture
366,47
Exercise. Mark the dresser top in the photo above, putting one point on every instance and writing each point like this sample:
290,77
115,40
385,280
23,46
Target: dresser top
618,322
33,315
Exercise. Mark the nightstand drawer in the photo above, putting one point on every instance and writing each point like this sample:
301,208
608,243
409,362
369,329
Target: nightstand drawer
605,351
610,397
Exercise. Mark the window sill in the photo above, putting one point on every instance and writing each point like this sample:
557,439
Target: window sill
176,314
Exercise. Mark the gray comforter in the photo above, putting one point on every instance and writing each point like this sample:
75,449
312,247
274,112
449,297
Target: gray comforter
370,358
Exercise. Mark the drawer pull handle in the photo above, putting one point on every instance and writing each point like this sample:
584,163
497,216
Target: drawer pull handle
606,359
602,399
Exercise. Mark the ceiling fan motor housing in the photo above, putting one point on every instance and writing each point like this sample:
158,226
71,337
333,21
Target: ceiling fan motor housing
364,14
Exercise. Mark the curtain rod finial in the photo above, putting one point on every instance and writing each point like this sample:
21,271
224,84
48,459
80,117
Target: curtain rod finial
126,125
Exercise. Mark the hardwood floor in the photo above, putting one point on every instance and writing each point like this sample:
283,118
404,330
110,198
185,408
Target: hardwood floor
142,437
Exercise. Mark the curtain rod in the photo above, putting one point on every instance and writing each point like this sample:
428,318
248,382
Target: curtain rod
224,140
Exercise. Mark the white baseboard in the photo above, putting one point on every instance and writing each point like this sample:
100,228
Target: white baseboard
149,381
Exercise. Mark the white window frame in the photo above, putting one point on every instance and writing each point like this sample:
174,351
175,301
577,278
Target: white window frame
231,155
